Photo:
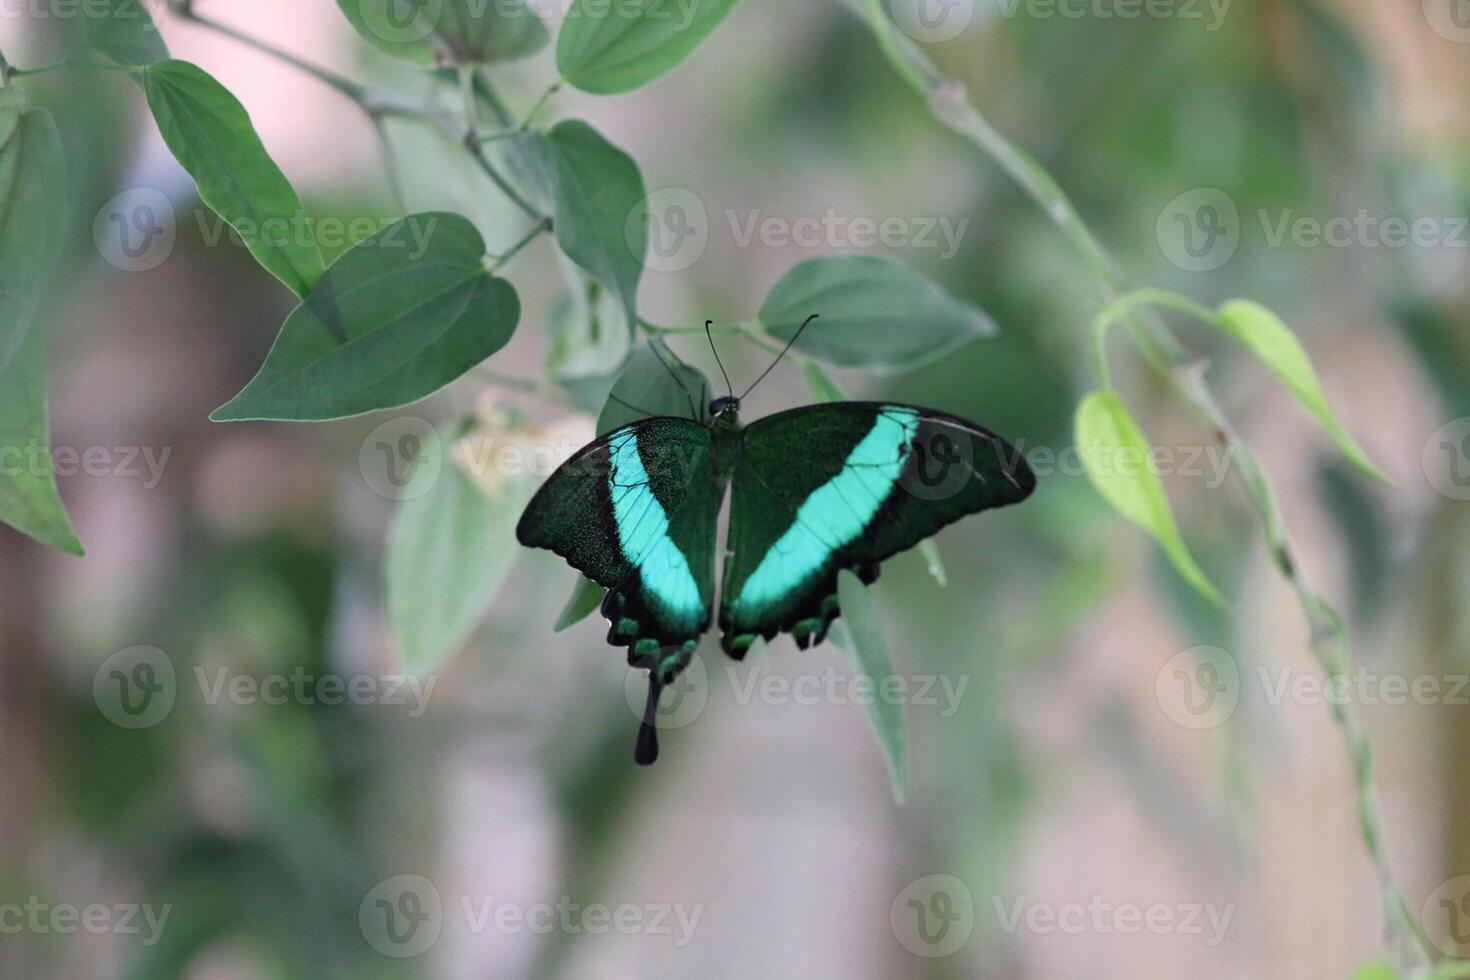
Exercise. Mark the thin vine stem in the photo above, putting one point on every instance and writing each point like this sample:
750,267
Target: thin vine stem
1329,641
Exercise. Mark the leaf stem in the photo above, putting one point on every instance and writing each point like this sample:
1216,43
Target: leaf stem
65,63
357,93
539,228
468,91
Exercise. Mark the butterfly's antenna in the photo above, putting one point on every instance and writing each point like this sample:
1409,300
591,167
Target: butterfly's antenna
728,387
780,355
653,346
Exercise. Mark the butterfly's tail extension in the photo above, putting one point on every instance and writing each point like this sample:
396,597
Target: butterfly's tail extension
646,754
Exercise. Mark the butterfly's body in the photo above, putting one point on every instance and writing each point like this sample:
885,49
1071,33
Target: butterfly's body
813,490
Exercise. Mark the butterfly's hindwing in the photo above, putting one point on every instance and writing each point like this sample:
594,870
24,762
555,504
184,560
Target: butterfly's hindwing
635,512
846,485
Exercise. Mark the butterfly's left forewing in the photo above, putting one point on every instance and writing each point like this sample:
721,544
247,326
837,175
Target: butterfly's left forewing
635,512
846,485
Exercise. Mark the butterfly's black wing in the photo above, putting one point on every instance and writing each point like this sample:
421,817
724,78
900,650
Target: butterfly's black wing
635,512
846,485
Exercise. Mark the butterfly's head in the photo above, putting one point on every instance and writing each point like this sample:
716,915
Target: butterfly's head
726,407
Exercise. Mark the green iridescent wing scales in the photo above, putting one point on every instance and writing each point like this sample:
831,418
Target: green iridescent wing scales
846,485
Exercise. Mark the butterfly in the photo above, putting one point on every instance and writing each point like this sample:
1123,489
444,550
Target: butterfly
814,490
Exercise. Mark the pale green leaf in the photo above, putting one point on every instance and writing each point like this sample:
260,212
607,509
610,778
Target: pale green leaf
29,501
210,134
1116,456
450,550
1273,342
396,318
873,313
861,635
606,48
32,214
124,31
585,600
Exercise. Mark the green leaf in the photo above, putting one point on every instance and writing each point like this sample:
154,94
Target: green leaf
593,187
32,214
1375,971
1273,342
862,637
396,318
823,387
125,32
586,598
606,48
29,501
875,313
458,31
652,383
449,551
1116,456
210,134
589,330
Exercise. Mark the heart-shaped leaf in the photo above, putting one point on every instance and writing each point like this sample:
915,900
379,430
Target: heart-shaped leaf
396,318
605,48
653,383
124,31
873,313
1116,456
592,187
210,134
585,599
430,32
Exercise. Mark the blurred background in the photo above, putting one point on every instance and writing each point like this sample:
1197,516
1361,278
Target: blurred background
1109,777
